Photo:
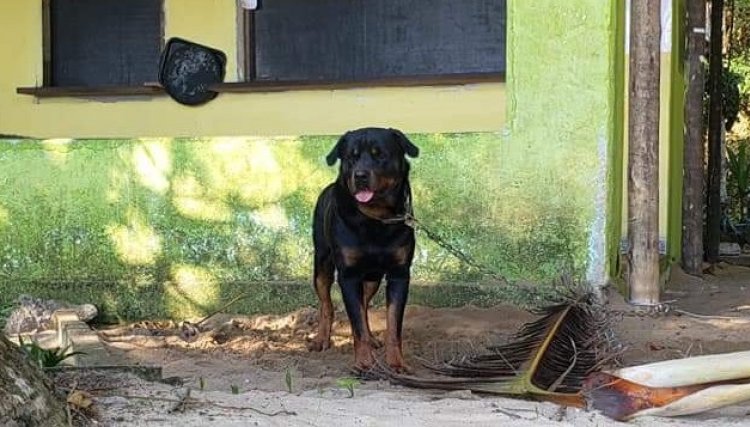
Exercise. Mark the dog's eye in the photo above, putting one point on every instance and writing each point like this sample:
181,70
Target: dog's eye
375,152
352,156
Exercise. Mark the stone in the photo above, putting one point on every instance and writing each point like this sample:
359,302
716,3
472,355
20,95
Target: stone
729,249
35,314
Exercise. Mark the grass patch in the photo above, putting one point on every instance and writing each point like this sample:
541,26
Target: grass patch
6,308
124,302
45,357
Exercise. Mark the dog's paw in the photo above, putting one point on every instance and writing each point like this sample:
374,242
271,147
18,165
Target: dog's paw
364,356
395,361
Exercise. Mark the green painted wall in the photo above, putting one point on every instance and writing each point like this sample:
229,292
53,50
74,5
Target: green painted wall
170,227
677,89
562,71
617,142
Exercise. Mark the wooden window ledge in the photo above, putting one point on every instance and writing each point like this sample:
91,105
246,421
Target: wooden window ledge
91,91
264,86
280,86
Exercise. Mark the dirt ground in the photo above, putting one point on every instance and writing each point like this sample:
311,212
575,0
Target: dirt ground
246,366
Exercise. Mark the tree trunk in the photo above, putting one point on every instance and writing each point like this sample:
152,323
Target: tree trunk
713,209
693,170
26,397
643,155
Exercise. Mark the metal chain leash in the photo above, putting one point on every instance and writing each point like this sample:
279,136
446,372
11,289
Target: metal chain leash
532,293
408,219
417,225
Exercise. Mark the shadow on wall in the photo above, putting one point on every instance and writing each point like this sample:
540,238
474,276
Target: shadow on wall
176,227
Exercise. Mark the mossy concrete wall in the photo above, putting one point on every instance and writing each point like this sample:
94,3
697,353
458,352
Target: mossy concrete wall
561,150
170,227
164,226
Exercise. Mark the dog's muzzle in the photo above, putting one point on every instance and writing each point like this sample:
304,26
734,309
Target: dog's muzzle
362,191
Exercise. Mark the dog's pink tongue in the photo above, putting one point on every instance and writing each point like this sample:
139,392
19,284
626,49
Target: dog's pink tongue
364,196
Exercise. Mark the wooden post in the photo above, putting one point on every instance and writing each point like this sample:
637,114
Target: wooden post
693,171
713,205
643,155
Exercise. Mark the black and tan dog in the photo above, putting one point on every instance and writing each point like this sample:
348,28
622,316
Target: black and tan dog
359,233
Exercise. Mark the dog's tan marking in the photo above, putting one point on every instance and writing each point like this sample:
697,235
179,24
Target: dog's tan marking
350,255
401,255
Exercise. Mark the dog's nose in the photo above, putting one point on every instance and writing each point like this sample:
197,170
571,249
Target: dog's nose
360,176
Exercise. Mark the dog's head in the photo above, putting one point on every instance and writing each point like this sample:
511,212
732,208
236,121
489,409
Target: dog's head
373,162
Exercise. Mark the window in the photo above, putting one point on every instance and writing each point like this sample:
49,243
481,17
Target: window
363,40
94,43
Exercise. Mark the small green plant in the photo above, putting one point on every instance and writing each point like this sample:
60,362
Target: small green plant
738,159
348,384
43,357
731,98
288,379
235,389
201,383
5,311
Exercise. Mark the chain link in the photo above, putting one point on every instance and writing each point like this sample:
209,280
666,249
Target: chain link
412,222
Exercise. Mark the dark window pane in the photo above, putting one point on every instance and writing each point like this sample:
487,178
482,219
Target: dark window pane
362,39
105,42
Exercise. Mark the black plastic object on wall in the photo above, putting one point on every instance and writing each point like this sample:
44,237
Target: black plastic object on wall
187,70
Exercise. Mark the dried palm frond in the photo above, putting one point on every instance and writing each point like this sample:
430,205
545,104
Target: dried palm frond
548,358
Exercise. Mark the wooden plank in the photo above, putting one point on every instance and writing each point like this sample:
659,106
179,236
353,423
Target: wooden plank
643,153
248,40
46,44
90,91
278,86
264,86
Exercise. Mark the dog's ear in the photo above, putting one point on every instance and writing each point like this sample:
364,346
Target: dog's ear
409,148
336,150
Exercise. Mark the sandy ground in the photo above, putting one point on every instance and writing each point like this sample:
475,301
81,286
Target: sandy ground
243,365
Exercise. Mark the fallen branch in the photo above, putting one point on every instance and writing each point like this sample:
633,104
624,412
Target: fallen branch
708,317
189,331
194,401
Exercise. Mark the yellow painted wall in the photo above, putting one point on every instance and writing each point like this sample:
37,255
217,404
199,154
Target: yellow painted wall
464,108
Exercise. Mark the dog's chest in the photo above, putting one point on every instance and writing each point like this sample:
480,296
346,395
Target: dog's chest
376,247
372,257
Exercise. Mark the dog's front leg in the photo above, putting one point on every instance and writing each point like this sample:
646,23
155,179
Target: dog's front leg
397,292
352,293
371,288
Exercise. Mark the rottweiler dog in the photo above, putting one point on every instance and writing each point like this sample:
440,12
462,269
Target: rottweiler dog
359,234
